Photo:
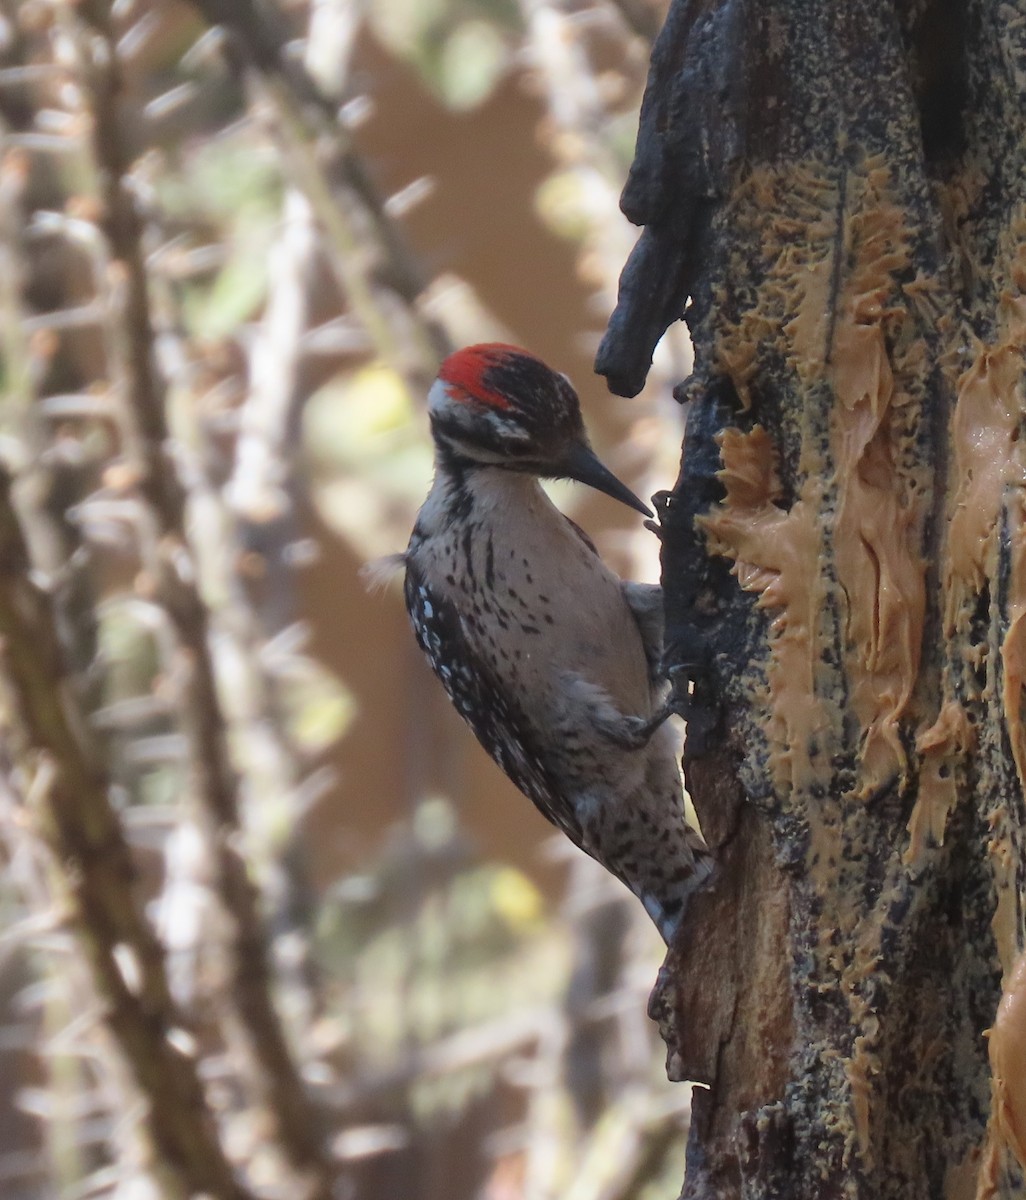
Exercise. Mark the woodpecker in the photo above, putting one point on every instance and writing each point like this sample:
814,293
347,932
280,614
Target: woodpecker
550,658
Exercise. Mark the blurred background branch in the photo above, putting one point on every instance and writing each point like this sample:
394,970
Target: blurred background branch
67,794
272,925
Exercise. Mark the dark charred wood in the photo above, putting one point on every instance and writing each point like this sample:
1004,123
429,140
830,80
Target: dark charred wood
833,198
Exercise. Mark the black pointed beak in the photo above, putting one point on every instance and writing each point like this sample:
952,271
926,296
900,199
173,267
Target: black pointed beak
583,465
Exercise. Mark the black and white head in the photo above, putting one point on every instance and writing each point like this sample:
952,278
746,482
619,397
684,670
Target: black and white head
498,406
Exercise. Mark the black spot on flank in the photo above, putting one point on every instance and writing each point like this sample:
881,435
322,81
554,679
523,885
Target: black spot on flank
530,629
450,580
543,599
548,619
490,564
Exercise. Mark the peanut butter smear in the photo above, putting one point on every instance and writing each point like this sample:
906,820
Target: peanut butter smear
775,554
841,566
1011,350
939,746
989,508
849,335
826,520
1007,1048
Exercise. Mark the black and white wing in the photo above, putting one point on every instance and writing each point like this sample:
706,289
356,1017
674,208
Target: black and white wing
495,717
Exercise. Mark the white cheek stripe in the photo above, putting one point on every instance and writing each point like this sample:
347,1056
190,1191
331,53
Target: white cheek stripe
441,399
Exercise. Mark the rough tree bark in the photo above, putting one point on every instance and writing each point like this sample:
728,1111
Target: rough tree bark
837,195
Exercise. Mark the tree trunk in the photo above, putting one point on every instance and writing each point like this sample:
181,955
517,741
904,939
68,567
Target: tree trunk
836,192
